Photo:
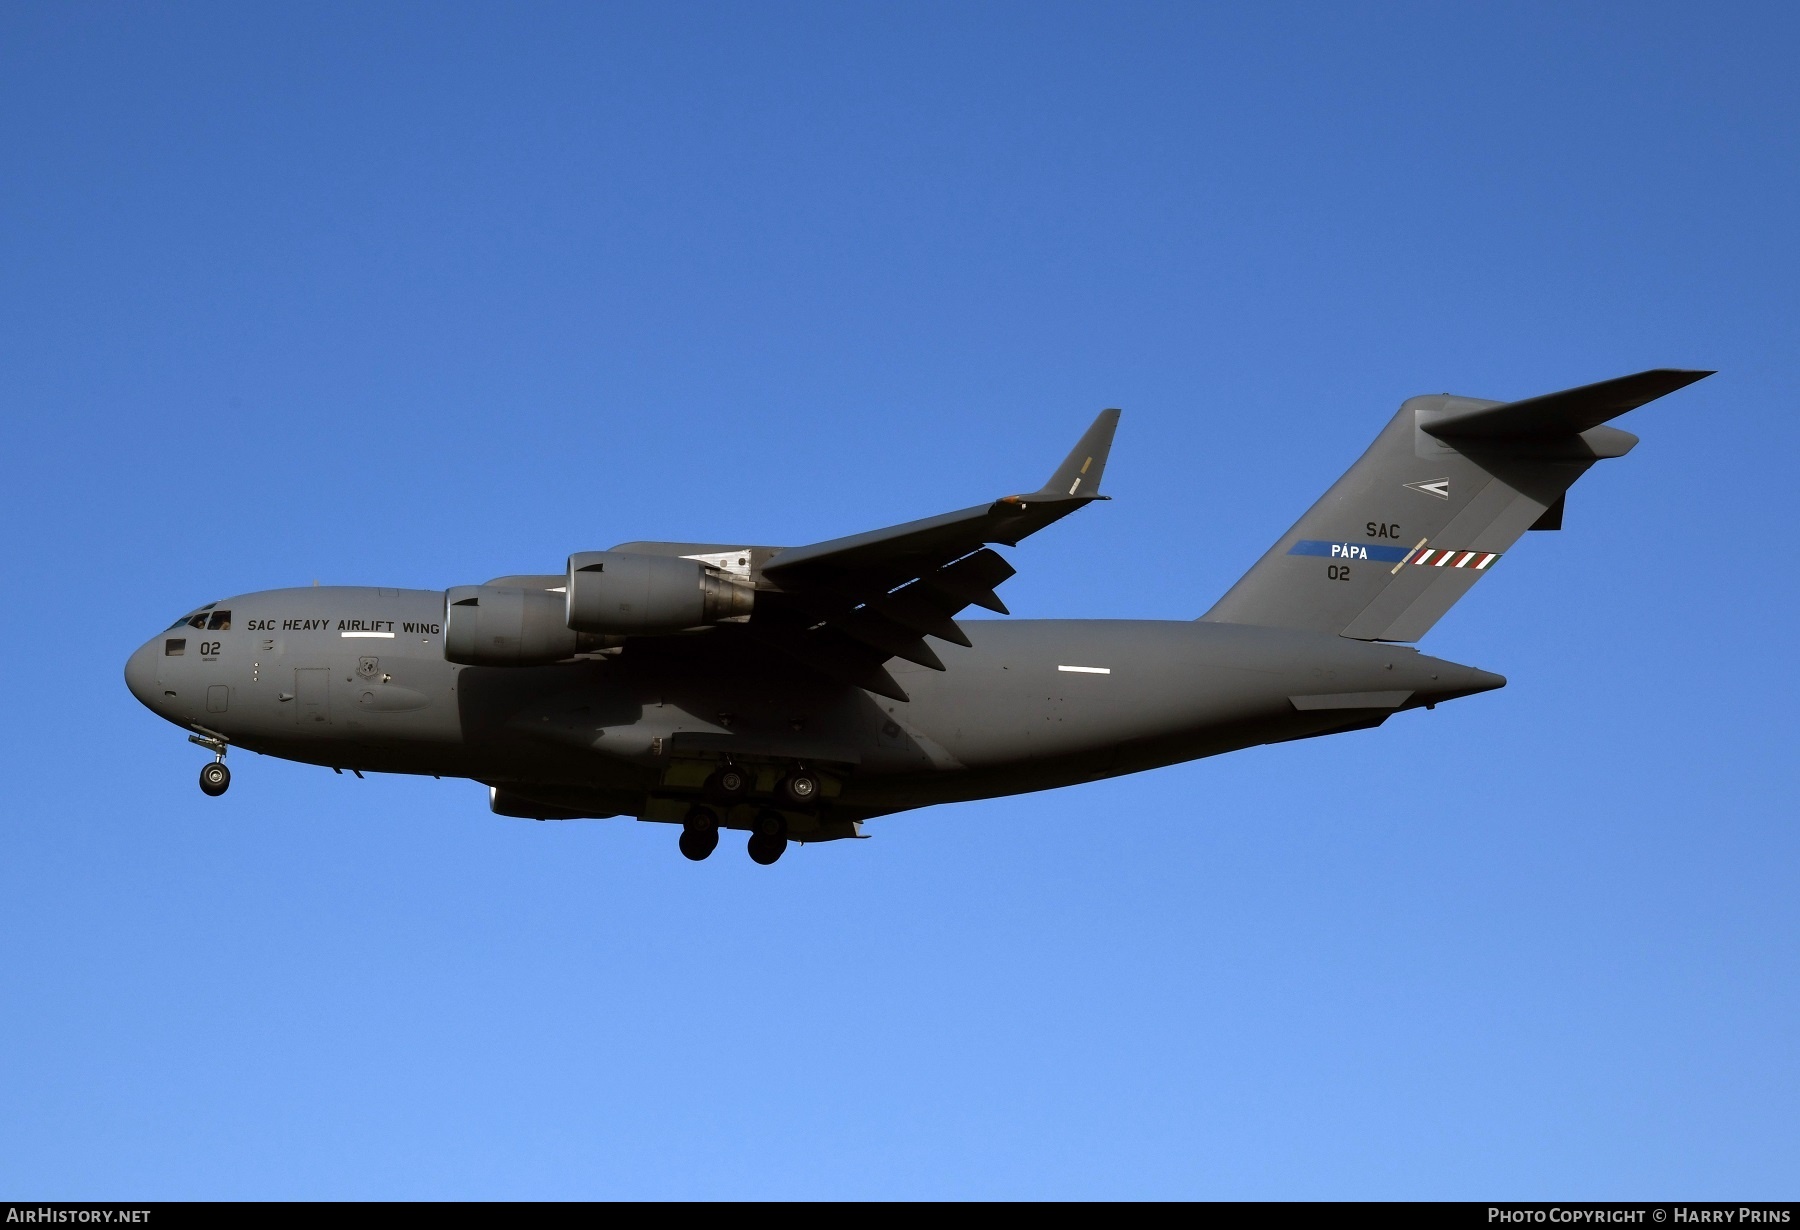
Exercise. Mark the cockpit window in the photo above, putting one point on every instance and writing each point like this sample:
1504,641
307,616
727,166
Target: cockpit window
174,647
205,620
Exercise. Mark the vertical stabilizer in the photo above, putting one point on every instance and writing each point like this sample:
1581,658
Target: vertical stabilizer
1434,504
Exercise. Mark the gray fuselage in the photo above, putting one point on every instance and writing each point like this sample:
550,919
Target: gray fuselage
356,678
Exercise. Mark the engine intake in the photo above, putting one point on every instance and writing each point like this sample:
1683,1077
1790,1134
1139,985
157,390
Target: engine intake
505,625
620,593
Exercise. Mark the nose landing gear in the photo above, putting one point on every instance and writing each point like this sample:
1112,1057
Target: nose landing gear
215,778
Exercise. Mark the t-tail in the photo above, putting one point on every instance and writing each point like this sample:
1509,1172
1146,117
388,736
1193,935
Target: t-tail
1433,506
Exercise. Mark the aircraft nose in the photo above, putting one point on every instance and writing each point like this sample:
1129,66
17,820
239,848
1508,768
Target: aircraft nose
140,674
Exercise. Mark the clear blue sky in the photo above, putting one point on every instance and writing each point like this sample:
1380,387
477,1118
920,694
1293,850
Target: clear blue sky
417,295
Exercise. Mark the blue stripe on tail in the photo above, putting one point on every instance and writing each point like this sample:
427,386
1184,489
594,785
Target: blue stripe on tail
1349,550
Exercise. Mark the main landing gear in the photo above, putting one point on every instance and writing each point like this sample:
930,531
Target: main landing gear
729,785
727,788
700,834
799,788
768,840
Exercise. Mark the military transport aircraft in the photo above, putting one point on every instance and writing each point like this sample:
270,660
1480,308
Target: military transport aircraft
796,692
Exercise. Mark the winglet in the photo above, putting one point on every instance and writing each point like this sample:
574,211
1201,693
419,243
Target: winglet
1079,474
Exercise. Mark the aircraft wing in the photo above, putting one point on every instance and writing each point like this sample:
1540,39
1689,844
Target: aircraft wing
848,605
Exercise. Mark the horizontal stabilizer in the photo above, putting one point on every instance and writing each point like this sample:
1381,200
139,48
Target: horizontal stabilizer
1568,413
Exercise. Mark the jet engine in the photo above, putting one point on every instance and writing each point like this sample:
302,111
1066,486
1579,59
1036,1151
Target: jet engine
620,593
504,625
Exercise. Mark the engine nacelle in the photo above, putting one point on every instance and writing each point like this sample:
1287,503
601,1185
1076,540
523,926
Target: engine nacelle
504,625
620,593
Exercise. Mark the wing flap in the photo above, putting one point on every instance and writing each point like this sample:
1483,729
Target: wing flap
923,611
970,581
847,605
833,655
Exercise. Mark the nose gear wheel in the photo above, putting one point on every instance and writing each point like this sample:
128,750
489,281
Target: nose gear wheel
215,779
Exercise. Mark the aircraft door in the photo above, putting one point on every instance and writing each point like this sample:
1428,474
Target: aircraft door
312,695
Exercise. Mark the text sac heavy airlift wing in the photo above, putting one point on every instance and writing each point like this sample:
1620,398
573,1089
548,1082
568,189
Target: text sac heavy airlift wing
846,606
